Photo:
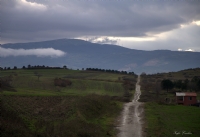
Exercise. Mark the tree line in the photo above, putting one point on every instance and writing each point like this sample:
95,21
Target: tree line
65,67
184,85
33,67
110,71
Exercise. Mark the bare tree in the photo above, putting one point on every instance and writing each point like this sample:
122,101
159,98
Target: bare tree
37,74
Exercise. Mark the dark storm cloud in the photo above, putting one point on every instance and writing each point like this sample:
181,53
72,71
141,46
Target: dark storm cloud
47,19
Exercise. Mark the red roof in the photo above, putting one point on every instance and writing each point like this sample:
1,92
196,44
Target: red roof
190,94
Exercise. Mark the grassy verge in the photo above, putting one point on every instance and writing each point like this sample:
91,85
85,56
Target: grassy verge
170,120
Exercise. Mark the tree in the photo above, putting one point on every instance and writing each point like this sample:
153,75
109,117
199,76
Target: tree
196,82
195,79
38,75
29,66
167,84
183,85
143,74
64,66
131,73
15,67
192,86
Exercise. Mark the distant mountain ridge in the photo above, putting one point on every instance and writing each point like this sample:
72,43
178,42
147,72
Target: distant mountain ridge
84,54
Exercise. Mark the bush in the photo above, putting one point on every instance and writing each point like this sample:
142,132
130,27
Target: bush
62,82
167,84
5,84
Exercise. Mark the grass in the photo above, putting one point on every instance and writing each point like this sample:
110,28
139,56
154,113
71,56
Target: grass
31,86
183,74
73,116
35,107
72,74
83,82
89,106
165,120
152,83
152,91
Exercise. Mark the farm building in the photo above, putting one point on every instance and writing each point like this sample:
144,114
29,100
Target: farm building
186,98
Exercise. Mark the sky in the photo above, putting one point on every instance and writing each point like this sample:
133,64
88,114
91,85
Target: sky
136,24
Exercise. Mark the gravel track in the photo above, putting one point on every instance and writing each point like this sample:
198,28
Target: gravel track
130,121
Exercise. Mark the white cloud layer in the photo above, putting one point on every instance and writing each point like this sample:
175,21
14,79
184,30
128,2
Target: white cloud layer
42,52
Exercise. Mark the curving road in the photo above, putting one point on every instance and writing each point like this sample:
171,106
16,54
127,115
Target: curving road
130,124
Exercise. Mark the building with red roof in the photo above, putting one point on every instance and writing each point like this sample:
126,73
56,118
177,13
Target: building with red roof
186,98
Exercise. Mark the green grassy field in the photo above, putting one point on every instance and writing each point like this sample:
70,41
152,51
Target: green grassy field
83,82
36,107
89,107
170,120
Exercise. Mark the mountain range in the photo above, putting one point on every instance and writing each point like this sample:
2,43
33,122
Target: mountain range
83,54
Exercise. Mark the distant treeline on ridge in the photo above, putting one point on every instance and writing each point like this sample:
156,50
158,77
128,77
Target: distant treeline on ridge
65,67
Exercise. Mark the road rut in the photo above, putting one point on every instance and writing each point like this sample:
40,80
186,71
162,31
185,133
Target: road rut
130,123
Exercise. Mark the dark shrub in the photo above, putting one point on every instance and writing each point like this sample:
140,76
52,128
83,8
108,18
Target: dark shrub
62,82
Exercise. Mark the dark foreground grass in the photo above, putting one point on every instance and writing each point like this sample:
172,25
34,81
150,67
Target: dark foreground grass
58,116
172,120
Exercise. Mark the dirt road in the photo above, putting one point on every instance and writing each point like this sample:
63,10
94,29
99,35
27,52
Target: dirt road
130,124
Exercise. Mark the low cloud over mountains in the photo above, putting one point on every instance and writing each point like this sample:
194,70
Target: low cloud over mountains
40,52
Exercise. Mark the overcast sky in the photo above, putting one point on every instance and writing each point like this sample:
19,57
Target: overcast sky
136,24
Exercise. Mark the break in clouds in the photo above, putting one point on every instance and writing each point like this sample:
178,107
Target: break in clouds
42,52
